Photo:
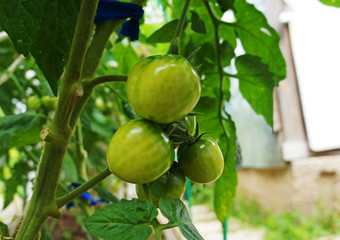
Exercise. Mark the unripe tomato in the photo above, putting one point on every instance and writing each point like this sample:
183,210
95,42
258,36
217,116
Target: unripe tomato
34,103
172,185
49,103
140,152
163,89
201,162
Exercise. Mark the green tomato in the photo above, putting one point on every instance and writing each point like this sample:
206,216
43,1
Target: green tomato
34,103
140,152
172,184
163,89
201,162
49,103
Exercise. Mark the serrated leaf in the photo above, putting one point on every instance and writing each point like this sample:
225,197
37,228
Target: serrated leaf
105,195
333,3
176,212
256,85
197,24
258,38
125,220
164,34
225,186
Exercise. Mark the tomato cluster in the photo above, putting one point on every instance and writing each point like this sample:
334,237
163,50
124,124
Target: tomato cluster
37,103
163,90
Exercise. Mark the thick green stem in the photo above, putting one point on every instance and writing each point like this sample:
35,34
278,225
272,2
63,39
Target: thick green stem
83,188
57,136
179,30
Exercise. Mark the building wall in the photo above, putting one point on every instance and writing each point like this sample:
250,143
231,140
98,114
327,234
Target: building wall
302,185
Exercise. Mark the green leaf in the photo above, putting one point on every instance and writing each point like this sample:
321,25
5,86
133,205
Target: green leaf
258,38
164,34
225,186
18,178
125,220
334,3
105,195
43,28
54,38
126,58
256,85
21,20
175,211
197,24
19,130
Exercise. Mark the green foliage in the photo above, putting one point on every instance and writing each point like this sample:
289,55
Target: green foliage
291,225
175,211
43,31
29,26
125,220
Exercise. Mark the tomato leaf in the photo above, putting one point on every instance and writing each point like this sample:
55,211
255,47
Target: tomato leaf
53,40
176,212
225,5
333,3
258,38
164,34
125,220
19,130
225,186
43,28
256,84
197,24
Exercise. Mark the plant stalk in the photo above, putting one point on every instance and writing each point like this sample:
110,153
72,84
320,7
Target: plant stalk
57,136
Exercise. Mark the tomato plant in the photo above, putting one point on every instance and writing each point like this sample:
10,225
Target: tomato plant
201,162
163,82
140,152
105,71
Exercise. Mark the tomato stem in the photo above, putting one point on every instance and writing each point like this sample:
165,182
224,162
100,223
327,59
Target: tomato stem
179,30
107,78
83,188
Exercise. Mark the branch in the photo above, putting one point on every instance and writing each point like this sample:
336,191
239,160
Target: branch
107,78
83,188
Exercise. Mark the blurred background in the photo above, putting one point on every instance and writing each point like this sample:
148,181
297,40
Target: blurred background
289,182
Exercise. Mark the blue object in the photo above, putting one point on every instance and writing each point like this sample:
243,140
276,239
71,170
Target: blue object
114,10
86,196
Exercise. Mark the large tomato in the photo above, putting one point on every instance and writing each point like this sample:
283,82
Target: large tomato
172,184
201,162
140,152
163,89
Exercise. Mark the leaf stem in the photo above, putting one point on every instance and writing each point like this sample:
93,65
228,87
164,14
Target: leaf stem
221,101
107,78
83,188
179,30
